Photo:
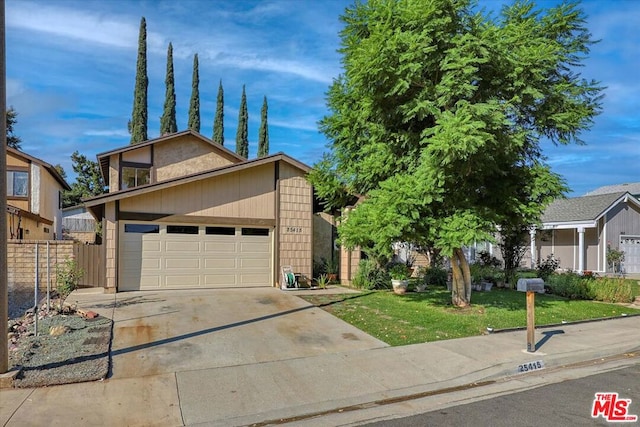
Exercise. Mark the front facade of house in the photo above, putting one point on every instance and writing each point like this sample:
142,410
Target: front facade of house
34,198
578,231
183,212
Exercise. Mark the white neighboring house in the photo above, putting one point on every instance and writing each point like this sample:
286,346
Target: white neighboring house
78,224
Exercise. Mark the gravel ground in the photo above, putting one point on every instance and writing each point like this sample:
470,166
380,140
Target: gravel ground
79,353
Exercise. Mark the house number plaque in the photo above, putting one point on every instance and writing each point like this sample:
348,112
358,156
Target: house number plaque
294,229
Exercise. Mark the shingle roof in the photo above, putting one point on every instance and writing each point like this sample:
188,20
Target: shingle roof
585,208
631,187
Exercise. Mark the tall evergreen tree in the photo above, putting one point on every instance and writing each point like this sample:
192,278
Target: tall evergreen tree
13,141
263,135
168,120
242,133
218,122
138,123
194,105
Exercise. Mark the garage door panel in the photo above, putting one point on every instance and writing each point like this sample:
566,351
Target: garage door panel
182,246
254,263
162,260
181,263
212,263
220,247
182,280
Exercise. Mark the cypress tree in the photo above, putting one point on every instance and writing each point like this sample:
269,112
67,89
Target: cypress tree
194,105
168,119
218,122
138,123
242,133
263,135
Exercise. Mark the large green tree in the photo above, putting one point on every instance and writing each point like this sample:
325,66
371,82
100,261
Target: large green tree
168,123
438,118
11,117
263,134
138,123
218,121
194,105
88,183
242,133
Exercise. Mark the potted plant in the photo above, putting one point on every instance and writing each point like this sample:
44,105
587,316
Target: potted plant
331,269
399,278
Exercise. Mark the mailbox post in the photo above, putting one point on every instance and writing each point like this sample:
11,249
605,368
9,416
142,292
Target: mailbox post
531,286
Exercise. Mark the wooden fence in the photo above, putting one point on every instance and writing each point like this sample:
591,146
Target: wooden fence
91,259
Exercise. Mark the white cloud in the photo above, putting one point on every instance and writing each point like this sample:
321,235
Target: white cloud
85,26
107,132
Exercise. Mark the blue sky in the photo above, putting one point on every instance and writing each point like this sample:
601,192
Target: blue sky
71,70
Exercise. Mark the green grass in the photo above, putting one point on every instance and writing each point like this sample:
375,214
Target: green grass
422,317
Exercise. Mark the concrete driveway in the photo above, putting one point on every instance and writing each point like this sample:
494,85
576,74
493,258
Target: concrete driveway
175,331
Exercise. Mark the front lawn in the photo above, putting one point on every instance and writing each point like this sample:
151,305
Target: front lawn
421,317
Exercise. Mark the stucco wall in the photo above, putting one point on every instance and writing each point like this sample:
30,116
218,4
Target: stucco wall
184,156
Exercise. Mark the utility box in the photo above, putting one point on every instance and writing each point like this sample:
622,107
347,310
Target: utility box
531,285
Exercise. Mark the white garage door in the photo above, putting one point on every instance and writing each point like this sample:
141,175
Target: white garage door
181,256
630,245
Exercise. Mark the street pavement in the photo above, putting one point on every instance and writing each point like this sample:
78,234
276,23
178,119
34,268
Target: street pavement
263,356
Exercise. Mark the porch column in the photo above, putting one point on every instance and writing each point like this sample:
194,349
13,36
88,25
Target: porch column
580,249
532,237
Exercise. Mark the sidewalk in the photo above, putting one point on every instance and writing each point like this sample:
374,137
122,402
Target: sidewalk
298,387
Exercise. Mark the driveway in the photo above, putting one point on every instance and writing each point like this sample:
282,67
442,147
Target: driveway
175,331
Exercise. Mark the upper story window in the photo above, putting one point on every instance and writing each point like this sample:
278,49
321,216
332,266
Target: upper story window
135,175
17,184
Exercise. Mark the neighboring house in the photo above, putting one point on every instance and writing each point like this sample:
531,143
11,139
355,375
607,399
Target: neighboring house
632,188
184,212
578,231
34,198
78,224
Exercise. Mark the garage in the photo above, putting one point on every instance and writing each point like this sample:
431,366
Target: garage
183,256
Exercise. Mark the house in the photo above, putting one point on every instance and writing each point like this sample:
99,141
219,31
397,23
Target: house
184,212
632,188
579,230
34,198
78,224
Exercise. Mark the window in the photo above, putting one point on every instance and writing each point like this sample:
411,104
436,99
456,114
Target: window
135,176
17,184
141,228
221,231
182,229
255,231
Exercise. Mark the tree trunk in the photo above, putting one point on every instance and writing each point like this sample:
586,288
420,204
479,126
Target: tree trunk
461,286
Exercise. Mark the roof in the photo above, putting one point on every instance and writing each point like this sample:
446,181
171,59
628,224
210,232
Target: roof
103,158
631,187
52,170
129,192
583,209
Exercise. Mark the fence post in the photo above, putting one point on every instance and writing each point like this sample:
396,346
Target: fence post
35,294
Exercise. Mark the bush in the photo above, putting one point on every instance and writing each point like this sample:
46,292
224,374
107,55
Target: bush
371,276
612,290
484,273
433,276
547,266
569,285
484,258
68,277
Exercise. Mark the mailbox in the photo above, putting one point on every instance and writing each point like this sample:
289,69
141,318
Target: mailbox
531,285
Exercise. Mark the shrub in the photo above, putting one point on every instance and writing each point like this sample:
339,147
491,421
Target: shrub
399,271
547,266
68,277
484,258
484,273
371,276
433,276
612,290
569,285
